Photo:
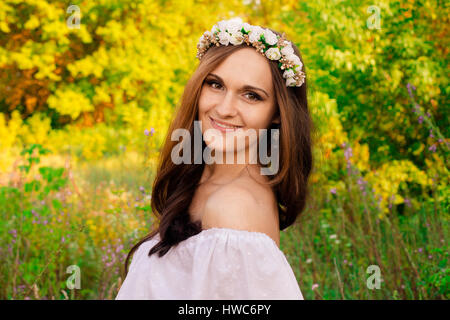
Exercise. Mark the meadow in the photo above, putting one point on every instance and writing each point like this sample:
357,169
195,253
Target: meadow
83,113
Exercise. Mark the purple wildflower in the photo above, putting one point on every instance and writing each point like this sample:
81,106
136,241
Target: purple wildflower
408,86
348,153
146,132
420,250
420,119
432,148
333,190
407,202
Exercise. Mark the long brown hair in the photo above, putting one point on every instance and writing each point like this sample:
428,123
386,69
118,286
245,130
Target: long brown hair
174,185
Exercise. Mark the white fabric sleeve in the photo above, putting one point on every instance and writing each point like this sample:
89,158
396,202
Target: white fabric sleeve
242,265
216,264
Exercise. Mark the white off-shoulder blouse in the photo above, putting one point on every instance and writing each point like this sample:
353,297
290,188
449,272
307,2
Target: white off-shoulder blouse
215,264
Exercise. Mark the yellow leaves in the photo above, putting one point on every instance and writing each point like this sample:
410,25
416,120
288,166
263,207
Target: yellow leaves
4,27
398,199
6,17
37,129
86,67
396,77
14,133
361,156
112,32
69,102
387,180
54,30
10,131
82,33
101,95
133,116
32,23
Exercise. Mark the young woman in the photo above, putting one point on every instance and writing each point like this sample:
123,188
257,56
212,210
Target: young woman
219,226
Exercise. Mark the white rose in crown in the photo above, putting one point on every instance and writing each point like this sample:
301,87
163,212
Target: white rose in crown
246,27
215,29
270,37
294,59
222,25
298,68
290,82
273,54
236,38
224,38
287,51
255,33
288,73
234,25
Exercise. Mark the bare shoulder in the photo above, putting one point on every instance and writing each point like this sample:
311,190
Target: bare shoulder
243,205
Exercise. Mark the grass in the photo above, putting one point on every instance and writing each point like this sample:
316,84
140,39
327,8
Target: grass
88,215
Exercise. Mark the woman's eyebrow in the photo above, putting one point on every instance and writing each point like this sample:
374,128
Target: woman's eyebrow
246,87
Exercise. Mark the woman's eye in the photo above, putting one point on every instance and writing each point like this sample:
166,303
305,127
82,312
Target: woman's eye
215,85
254,96
212,83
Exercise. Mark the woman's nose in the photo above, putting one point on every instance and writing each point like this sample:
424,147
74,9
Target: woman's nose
227,106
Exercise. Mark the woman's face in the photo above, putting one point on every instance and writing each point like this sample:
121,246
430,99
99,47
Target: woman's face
239,92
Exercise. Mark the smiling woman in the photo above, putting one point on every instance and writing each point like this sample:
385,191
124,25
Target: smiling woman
219,226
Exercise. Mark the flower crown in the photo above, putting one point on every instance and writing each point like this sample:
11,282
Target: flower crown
266,42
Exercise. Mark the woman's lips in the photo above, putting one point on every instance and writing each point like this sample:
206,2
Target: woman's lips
217,126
